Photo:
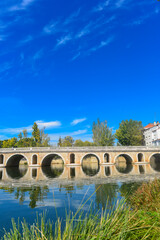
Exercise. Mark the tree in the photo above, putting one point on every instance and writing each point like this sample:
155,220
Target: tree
102,134
130,133
66,142
25,133
44,138
36,134
60,142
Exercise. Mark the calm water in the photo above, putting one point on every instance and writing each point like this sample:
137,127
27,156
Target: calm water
24,192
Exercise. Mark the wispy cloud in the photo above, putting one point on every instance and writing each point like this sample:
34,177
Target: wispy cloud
22,6
48,125
63,40
28,39
102,44
51,28
120,3
101,6
41,124
55,137
72,17
77,121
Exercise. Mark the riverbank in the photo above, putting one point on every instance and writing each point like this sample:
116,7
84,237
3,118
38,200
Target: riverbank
138,218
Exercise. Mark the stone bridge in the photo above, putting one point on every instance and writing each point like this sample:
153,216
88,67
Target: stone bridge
73,156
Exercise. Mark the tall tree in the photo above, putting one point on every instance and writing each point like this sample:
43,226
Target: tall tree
102,134
130,133
44,138
66,142
36,134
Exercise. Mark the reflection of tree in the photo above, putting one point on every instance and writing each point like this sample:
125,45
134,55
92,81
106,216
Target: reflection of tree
69,188
106,194
35,194
127,189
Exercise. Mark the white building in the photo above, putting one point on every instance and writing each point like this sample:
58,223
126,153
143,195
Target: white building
151,134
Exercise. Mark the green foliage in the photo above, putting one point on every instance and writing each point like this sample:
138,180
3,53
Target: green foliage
147,196
130,133
66,142
102,134
36,134
80,143
39,139
10,143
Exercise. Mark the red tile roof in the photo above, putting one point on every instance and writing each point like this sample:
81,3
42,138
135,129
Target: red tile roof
150,125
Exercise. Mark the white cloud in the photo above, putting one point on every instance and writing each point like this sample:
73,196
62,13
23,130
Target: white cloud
102,44
53,124
55,137
50,28
101,6
22,6
76,121
64,40
41,124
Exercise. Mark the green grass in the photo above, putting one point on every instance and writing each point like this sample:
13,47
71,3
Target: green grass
122,222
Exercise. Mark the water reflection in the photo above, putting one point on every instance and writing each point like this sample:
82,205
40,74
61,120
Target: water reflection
91,169
155,162
123,167
53,171
16,172
141,169
107,171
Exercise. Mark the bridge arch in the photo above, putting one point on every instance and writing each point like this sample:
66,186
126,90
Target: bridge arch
124,163
46,161
72,158
34,159
13,161
90,154
140,157
1,159
106,158
155,161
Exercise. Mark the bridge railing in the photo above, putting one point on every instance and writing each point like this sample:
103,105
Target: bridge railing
82,149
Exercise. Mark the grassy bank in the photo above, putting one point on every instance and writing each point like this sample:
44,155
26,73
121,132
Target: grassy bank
124,222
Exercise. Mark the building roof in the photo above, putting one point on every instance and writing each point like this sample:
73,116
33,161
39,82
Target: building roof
150,125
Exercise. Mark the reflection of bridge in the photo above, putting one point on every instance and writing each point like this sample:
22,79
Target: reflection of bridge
75,156
75,173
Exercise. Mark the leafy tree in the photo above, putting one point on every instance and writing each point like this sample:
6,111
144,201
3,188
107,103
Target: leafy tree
60,142
80,143
44,138
10,143
102,134
25,133
36,134
66,142
20,135
130,133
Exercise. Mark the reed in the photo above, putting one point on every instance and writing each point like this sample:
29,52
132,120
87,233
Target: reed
140,220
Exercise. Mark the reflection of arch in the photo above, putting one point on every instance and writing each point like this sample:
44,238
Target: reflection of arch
90,169
1,159
140,157
34,159
17,172
53,171
106,158
49,157
14,160
1,174
107,171
34,173
72,158
141,169
124,163
155,161
72,172
88,155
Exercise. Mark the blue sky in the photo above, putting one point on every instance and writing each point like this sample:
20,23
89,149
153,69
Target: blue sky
66,63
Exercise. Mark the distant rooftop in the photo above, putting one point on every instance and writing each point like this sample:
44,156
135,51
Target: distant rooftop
150,125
